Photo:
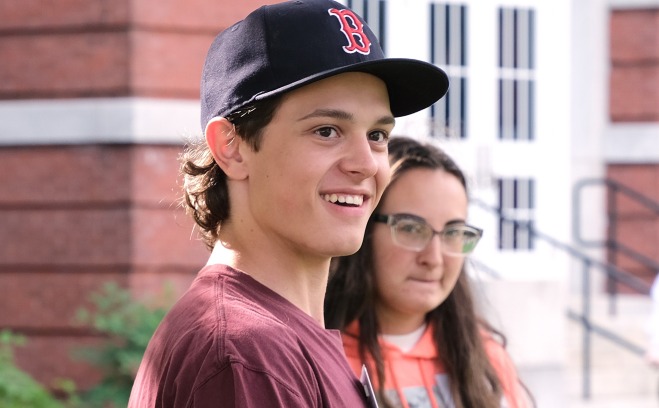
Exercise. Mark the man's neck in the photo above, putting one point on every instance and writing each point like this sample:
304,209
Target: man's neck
302,284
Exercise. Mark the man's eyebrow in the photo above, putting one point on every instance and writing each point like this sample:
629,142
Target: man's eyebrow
328,113
387,120
343,115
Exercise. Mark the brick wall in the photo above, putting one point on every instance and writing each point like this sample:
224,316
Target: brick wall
73,217
634,97
109,47
634,84
636,226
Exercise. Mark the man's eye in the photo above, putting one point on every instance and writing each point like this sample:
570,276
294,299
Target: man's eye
378,136
326,131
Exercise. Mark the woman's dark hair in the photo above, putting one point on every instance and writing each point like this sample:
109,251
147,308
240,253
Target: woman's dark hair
457,329
205,191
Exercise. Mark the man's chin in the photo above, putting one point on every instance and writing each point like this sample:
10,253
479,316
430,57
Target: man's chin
348,248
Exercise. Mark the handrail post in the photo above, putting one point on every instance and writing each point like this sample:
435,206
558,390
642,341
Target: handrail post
585,316
612,250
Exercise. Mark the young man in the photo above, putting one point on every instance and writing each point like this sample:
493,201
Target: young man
297,103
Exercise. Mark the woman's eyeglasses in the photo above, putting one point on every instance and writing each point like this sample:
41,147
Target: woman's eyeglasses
414,233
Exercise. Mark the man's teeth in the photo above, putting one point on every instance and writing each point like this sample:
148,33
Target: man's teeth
345,199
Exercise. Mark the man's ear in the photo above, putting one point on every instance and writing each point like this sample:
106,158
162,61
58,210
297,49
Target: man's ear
224,145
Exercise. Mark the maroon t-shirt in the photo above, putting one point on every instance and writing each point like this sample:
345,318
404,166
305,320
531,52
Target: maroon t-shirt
232,342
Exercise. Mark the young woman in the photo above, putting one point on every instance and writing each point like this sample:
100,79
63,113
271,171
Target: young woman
403,301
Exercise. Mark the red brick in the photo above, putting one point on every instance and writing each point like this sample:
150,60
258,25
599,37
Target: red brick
65,65
49,301
65,174
142,48
74,217
155,175
209,15
634,36
66,237
641,178
641,236
82,238
162,232
636,226
634,93
196,15
165,237
634,78
97,205
44,14
161,288
167,64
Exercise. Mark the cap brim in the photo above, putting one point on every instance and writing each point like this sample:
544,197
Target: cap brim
413,85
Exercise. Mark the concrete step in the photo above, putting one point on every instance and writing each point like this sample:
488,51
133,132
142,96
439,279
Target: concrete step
615,402
625,381
618,377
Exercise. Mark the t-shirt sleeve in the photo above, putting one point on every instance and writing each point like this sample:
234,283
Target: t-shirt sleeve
239,386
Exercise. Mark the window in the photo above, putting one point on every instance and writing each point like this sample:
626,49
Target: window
374,12
448,49
516,204
516,86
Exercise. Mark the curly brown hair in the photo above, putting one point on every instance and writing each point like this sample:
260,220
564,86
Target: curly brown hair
205,190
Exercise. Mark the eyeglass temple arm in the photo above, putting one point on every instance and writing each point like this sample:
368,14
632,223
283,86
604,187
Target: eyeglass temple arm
380,218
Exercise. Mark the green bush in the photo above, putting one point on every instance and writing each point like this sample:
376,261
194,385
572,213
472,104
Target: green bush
128,325
18,389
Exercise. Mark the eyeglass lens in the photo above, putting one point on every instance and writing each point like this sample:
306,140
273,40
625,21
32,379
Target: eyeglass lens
458,239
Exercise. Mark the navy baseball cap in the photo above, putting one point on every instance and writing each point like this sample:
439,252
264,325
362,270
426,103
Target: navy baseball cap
284,46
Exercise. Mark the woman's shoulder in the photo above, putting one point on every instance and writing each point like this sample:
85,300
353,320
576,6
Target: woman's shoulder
495,348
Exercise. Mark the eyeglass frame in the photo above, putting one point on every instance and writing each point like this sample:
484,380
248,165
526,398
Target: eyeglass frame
392,219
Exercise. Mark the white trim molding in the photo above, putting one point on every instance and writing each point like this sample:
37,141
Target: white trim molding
632,143
633,4
98,120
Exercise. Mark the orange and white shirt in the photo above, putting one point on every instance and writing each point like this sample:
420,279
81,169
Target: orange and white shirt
415,378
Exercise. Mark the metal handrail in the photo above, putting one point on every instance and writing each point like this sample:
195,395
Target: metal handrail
588,263
612,244
616,187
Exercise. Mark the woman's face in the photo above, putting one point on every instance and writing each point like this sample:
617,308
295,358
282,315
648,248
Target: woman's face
409,284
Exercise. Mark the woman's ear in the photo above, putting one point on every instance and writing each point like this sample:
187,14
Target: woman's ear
224,145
